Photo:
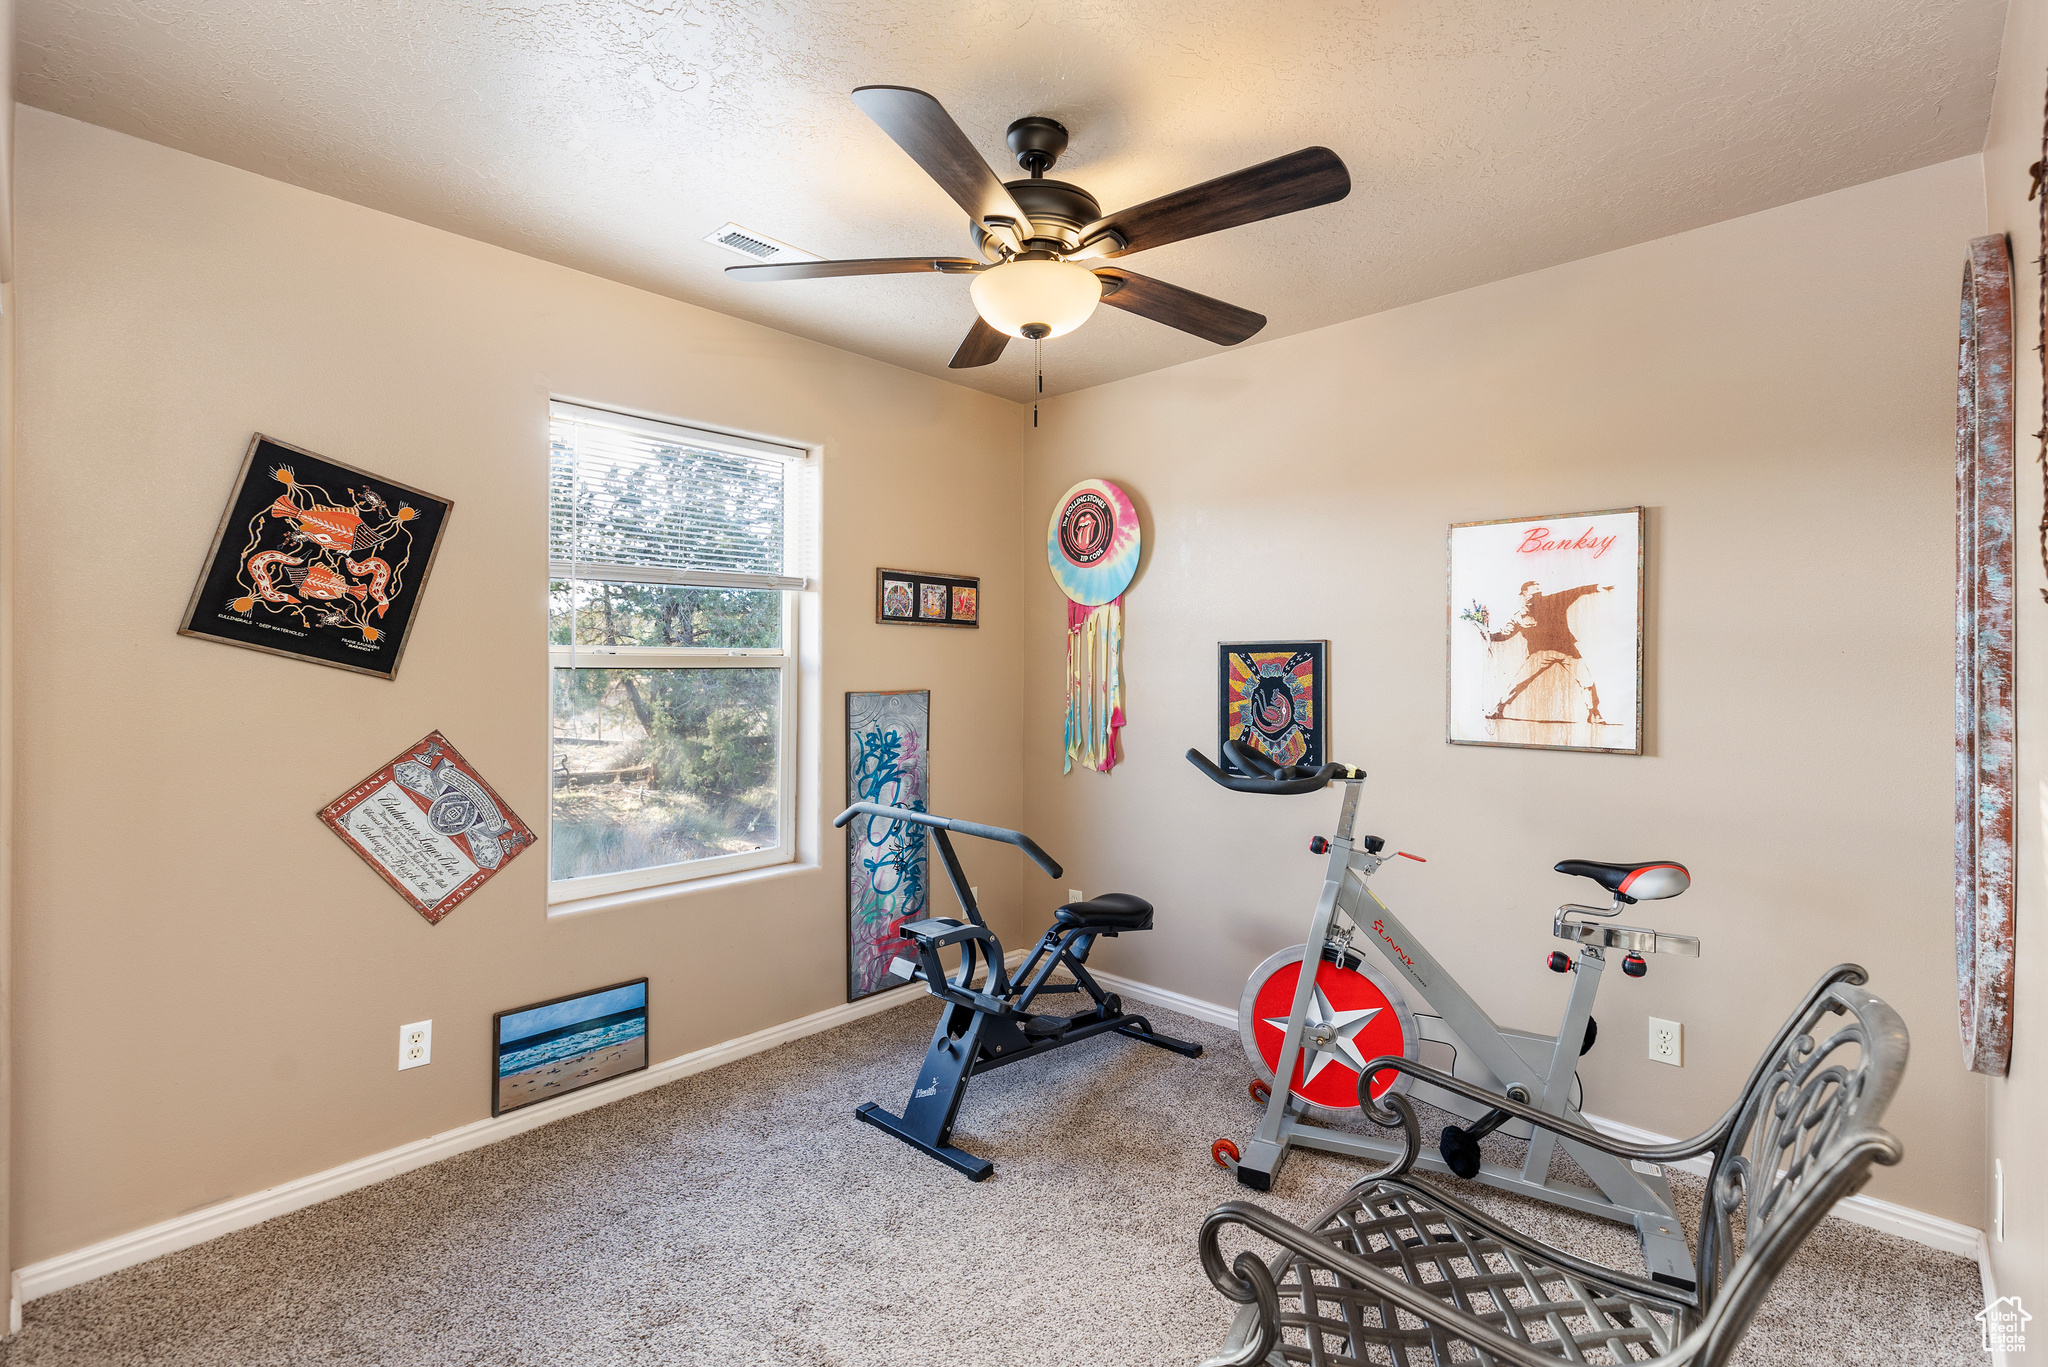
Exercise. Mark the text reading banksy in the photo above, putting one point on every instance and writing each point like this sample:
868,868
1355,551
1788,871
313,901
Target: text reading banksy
1541,539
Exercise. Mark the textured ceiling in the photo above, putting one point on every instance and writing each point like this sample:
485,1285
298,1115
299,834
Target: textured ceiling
1485,137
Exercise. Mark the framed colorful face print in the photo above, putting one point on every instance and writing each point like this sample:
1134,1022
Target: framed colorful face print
897,597
1272,697
1546,632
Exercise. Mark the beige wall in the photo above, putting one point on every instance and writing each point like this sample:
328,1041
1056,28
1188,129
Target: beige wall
1779,391
2019,1101
210,983
1776,389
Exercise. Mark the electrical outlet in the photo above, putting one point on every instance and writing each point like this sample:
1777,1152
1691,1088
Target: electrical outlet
415,1045
1075,895
1667,1042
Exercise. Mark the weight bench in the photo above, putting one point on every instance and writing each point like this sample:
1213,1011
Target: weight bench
985,1028
1400,1272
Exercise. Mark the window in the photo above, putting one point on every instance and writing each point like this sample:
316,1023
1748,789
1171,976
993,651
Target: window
671,652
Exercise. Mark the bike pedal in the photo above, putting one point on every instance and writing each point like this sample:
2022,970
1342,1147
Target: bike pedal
1045,1027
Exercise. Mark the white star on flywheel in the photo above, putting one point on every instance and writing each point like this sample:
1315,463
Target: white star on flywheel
1346,1025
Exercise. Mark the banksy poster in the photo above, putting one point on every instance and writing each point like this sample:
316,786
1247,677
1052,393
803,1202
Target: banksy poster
1271,696
316,560
430,826
1546,632
886,883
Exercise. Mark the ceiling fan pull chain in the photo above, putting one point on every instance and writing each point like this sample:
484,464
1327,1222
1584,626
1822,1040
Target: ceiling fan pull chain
1038,370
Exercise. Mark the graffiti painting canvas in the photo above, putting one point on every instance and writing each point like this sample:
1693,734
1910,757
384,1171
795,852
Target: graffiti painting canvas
317,560
1272,696
1546,632
555,1047
886,861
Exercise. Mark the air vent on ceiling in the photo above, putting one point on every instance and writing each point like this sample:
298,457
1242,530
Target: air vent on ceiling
757,246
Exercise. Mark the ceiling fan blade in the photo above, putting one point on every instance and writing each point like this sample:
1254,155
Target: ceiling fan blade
1284,185
1210,319
983,346
920,125
876,265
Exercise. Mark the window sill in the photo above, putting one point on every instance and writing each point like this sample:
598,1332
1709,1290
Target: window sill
610,901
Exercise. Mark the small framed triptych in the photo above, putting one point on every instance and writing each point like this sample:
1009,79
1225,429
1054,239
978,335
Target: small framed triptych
920,598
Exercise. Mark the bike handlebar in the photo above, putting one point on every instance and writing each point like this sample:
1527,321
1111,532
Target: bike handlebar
975,828
1267,777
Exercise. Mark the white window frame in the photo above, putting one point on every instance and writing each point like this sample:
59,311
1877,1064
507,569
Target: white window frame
693,657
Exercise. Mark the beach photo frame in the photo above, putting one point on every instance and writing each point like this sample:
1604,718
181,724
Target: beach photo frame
562,1045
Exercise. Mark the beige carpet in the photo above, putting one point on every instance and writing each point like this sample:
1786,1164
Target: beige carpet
743,1216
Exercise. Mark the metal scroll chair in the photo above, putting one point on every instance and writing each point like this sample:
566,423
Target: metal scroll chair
1400,1272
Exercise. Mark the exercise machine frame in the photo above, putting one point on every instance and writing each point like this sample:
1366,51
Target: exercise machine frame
989,1027
1623,1194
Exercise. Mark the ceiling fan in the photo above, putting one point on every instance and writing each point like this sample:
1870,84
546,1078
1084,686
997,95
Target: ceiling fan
1032,234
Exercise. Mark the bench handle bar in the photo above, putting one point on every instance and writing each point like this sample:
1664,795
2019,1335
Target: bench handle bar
959,827
1295,780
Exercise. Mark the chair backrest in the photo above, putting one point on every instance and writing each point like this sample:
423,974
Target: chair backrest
1804,1135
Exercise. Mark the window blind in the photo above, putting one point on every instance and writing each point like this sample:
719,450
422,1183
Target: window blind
634,500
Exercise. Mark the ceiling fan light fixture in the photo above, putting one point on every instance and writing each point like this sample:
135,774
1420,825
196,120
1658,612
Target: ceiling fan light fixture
1035,299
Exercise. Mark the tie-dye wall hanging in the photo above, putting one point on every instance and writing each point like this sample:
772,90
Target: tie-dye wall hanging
887,763
1092,547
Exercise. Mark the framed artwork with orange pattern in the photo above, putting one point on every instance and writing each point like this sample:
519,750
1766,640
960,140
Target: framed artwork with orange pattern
317,560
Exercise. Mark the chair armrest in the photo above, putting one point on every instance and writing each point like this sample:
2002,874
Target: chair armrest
1592,1138
1248,1282
1713,1138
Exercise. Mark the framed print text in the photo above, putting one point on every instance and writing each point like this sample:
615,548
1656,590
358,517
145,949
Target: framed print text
1546,632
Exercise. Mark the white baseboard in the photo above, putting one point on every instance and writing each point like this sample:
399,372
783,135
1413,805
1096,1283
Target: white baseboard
183,1231
1933,1231
1172,1001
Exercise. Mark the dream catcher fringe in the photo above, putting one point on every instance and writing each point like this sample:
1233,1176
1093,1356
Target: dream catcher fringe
1091,545
1095,688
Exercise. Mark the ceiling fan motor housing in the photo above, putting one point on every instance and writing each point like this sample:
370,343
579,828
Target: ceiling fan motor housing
1058,212
1037,142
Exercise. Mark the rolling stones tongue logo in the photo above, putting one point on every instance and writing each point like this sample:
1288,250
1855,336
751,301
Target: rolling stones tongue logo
1272,710
1085,528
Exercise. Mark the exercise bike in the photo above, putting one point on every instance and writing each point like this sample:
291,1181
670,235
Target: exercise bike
1319,1029
995,1025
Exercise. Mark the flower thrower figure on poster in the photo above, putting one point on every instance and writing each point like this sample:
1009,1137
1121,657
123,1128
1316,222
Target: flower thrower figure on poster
1555,676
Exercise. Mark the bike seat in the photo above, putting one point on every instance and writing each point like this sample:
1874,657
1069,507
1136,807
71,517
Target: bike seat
1113,911
1645,881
